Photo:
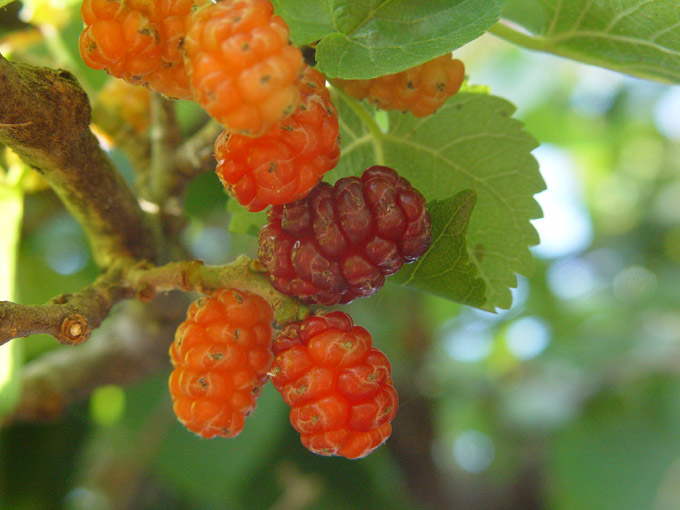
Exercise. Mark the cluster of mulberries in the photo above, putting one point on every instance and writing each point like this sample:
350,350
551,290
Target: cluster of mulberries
323,244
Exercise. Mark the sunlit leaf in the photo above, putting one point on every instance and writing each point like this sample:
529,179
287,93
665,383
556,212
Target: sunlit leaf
47,12
364,39
640,38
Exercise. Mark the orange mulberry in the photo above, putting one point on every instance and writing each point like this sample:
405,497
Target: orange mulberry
288,161
139,41
243,69
337,384
420,90
221,355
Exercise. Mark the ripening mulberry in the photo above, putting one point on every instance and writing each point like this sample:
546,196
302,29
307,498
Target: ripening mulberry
139,41
337,384
288,161
341,241
221,355
243,69
420,90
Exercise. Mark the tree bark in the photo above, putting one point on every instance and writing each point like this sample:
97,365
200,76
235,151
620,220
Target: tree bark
45,118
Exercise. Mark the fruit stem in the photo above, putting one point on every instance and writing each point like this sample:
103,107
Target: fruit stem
516,37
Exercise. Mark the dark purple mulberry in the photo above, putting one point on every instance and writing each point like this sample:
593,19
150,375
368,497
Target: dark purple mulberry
341,241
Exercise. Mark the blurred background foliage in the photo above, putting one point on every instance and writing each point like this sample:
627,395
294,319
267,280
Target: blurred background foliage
569,400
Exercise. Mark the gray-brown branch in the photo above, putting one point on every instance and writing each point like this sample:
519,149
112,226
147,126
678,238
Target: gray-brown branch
136,342
45,118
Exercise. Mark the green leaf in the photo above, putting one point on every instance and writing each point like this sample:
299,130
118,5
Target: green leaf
473,143
446,269
308,20
369,38
242,221
5,2
529,11
640,38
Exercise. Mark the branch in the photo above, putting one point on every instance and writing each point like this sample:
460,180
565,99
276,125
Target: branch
165,138
135,346
71,318
193,158
45,117
194,276
137,342
413,429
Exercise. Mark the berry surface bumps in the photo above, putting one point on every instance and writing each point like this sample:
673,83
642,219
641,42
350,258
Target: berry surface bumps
341,241
421,90
243,69
337,384
139,41
221,356
288,161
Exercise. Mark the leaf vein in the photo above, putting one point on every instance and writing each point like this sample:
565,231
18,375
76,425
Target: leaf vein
590,34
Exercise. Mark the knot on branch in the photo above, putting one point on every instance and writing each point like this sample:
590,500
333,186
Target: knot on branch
61,299
74,330
189,279
145,293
